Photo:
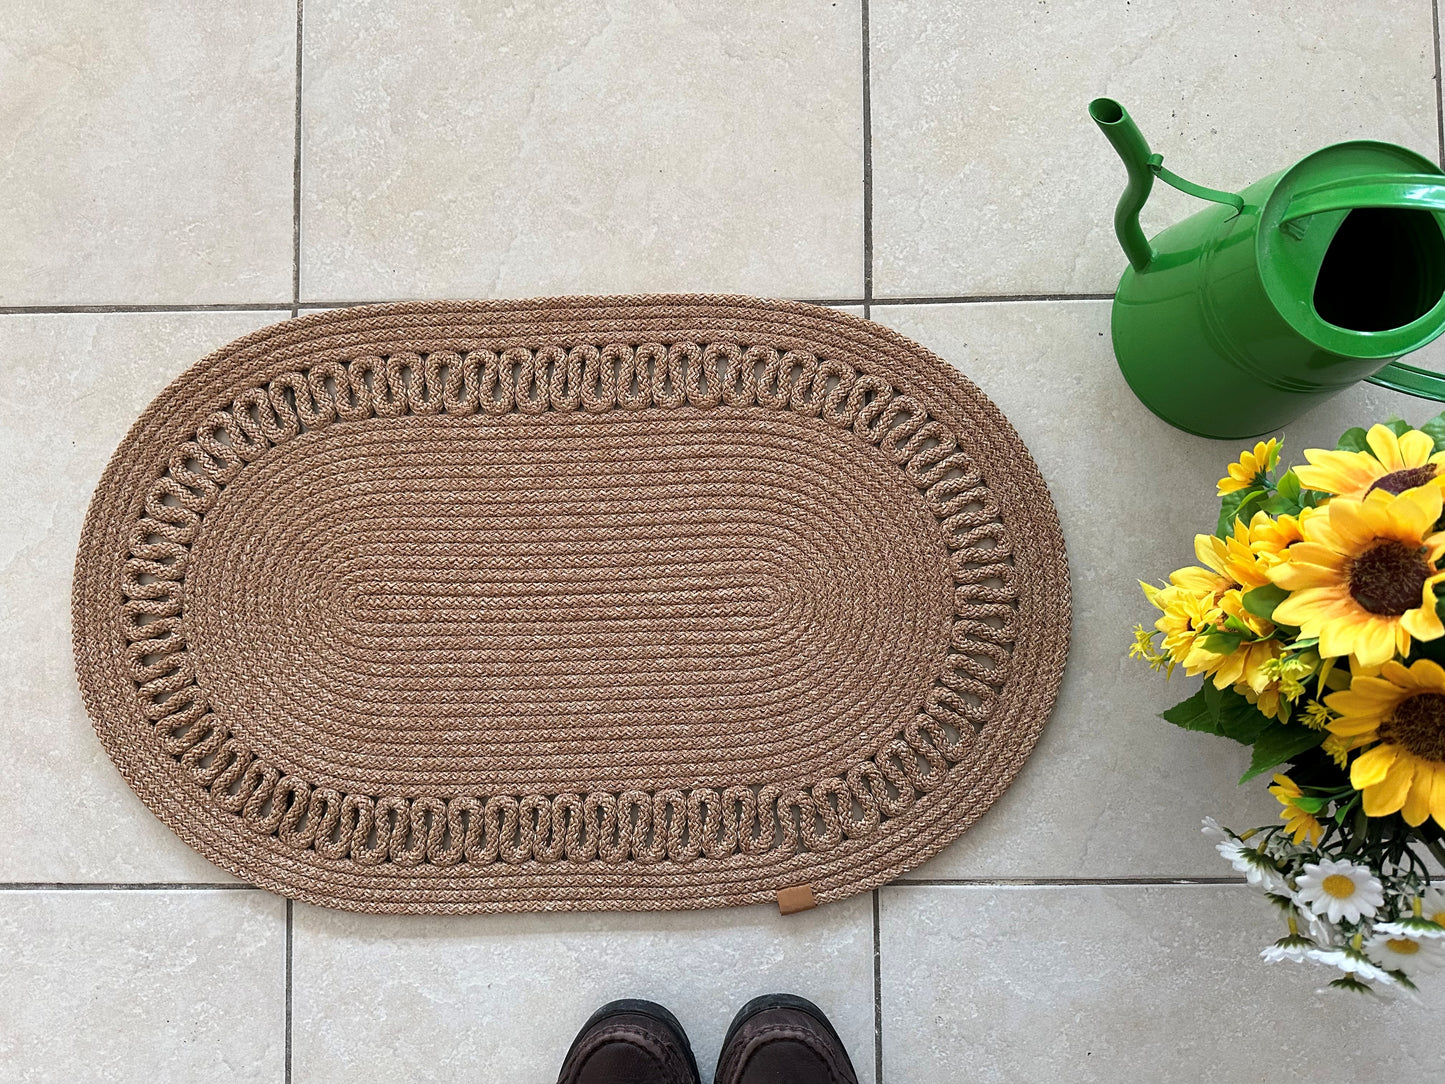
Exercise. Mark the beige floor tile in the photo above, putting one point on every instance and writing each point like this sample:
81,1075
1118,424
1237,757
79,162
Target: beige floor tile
1110,790
582,148
1114,984
73,384
500,997
989,177
142,987
148,152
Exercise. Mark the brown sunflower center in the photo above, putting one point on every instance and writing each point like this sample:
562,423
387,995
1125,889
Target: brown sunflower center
1418,726
1389,579
1398,481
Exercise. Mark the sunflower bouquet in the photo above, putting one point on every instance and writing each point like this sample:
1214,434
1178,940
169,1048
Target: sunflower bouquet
1313,618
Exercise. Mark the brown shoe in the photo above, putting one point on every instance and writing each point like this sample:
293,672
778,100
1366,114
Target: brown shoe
780,1037
630,1042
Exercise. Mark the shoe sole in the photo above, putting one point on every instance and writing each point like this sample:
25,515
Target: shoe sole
786,1001
650,1009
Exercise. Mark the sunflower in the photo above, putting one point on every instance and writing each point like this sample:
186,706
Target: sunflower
1251,468
1299,823
1269,537
1363,579
1403,711
1209,598
1399,463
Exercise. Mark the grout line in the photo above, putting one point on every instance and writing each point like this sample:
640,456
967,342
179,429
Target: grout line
289,926
43,310
867,172
832,302
126,886
1059,882
979,299
877,994
296,184
1439,105
295,305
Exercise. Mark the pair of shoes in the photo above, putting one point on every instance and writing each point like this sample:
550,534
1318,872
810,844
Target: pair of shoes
774,1039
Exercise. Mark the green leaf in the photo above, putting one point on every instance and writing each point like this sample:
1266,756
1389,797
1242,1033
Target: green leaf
1261,601
1278,743
1435,429
1219,642
1398,426
1235,716
1194,713
1240,504
1233,624
1222,712
1353,440
1311,805
1287,499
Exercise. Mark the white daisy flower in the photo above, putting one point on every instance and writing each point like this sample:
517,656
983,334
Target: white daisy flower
1339,890
1397,951
1258,870
1214,832
1352,963
1433,902
1417,928
1294,948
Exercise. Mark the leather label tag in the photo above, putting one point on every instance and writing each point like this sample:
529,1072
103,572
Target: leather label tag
796,898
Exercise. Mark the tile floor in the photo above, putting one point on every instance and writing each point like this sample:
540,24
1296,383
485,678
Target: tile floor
170,180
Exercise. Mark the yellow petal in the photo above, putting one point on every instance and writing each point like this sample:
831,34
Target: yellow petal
1386,446
1426,674
1388,795
1415,512
1210,551
1355,726
1314,553
1372,765
1198,579
1394,673
1354,520
1437,798
1376,642
1415,448
1348,473
1417,802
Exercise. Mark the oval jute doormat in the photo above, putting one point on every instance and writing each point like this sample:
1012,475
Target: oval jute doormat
583,603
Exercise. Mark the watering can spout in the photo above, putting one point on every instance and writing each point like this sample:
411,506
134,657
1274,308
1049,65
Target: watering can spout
1121,131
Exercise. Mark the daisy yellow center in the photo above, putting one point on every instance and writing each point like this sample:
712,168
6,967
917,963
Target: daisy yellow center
1339,886
1398,481
1389,579
1418,725
1403,946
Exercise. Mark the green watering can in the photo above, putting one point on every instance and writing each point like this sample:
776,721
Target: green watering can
1247,314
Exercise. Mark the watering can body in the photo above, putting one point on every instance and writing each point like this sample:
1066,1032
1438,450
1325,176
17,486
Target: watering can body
1242,317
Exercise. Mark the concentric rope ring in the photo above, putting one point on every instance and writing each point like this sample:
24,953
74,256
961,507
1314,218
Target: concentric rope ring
309,630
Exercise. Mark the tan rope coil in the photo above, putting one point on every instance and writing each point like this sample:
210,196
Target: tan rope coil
580,603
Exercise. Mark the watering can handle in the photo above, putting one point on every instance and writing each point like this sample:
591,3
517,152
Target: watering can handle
1418,191
1412,380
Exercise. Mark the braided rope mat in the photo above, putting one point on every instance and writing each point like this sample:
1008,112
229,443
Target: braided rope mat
573,604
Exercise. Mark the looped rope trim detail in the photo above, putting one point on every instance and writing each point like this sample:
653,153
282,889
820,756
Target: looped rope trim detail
646,827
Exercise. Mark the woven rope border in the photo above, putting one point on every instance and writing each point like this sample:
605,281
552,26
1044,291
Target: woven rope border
779,824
